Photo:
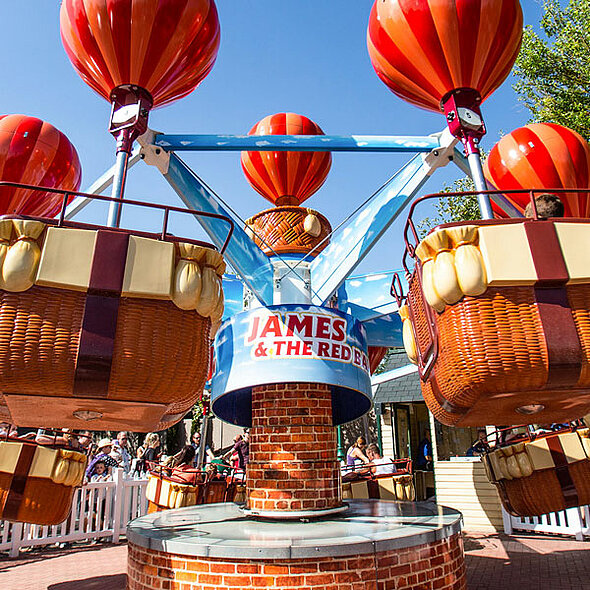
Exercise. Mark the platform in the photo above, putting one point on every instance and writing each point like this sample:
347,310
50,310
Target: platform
398,543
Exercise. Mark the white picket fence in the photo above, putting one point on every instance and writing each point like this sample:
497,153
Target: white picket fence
100,510
573,521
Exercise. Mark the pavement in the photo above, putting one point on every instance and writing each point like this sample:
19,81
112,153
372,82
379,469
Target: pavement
494,562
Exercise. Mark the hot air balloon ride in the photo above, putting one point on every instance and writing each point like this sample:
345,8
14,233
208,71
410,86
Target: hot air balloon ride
544,156
169,488
110,326
139,54
496,309
287,179
435,54
483,299
541,472
37,481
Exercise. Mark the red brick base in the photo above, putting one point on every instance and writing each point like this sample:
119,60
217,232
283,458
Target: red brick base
293,463
436,566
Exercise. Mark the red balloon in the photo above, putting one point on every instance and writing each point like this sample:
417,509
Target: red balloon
424,49
166,47
542,156
286,178
35,152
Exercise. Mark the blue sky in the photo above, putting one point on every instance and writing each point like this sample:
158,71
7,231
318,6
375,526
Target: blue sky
306,56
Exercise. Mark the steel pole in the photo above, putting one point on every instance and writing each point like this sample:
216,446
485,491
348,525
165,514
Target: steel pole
485,205
339,450
201,453
114,217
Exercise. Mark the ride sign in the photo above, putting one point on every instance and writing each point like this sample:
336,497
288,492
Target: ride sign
291,343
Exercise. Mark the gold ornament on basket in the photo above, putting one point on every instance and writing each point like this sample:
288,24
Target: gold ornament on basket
469,266
187,278
21,260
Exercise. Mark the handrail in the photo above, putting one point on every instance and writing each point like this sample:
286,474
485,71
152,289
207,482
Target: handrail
167,209
410,226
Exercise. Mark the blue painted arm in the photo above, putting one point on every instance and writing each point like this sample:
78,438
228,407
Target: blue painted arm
300,143
241,253
353,241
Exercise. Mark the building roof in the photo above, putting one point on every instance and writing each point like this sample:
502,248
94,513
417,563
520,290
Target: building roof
403,389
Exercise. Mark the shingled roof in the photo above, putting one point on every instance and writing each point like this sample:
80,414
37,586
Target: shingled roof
404,389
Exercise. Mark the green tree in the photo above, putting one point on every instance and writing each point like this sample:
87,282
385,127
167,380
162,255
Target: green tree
554,72
452,208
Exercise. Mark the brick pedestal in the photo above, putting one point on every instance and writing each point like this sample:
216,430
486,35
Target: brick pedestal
434,566
293,464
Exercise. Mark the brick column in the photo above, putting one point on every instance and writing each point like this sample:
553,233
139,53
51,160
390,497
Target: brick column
293,464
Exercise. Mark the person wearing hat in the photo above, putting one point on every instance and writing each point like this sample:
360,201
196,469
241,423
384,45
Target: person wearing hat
104,448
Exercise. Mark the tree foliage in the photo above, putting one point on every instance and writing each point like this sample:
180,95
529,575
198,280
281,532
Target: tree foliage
452,208
554,72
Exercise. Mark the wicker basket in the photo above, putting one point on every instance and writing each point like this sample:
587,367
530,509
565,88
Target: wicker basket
541,491
103,324
160,355
27,497
492,358
517,349
283,230
165,492
394,487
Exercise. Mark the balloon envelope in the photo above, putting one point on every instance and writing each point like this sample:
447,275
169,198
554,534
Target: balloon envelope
35,152
286,178
542,156
423,49
166,47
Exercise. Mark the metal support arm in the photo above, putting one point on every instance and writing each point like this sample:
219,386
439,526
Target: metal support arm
300,143
353,241
243,255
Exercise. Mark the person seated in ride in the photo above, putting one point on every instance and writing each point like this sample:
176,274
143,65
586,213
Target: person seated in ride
479,446
543,429
356,461
183,469
355,455
548,205
379,464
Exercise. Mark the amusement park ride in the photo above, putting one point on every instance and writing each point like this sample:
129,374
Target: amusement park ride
109,328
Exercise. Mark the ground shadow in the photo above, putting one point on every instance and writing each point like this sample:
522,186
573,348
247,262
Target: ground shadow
112,582
43,552
521,566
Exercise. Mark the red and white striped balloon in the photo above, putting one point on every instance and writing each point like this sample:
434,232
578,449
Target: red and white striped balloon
35,152
542,156
286,178
166,47
424,49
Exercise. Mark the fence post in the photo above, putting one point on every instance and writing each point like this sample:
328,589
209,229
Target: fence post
574,519
507,520
118,504
16,533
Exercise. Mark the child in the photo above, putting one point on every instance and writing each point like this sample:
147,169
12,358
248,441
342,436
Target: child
98,472
548,205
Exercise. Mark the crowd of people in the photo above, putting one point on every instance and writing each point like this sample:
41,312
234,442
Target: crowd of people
108,453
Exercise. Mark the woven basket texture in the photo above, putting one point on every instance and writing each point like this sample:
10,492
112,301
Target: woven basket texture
44,502
154,507
160,355
494,344
540,493
282,230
